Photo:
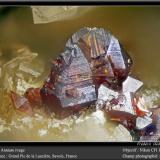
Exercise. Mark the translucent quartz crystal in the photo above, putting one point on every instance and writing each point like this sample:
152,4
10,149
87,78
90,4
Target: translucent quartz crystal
142,122
46,14
19,70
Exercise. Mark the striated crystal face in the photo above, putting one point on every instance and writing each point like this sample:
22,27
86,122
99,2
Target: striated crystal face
109,62
92,57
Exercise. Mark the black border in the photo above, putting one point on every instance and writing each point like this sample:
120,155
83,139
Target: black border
78,2
88,144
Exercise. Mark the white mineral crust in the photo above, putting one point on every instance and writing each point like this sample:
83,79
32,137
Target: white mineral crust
42,132
131,85
47,14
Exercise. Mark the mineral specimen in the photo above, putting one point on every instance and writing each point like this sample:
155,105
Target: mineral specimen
142,122
122,134
92,57
122,106
152,131
19,73
131,85
21,103
93,69
47,14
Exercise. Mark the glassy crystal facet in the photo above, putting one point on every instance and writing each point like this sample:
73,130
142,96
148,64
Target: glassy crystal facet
92,57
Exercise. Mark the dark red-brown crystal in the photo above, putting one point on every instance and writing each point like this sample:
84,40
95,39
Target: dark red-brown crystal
92,57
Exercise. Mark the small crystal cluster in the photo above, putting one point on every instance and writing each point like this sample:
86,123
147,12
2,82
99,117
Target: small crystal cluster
93,69
92,57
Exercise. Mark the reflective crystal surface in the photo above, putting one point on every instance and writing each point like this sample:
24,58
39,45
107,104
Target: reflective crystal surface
131,84
92,57
116,100
142,122
124,107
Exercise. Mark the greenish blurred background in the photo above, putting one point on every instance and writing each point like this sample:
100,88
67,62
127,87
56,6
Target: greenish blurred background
138,29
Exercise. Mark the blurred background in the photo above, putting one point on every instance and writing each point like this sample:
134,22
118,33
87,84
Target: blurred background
137,28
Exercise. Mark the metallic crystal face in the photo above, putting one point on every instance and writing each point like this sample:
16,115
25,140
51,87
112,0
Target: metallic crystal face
115,101
92,57
108,61
75,85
